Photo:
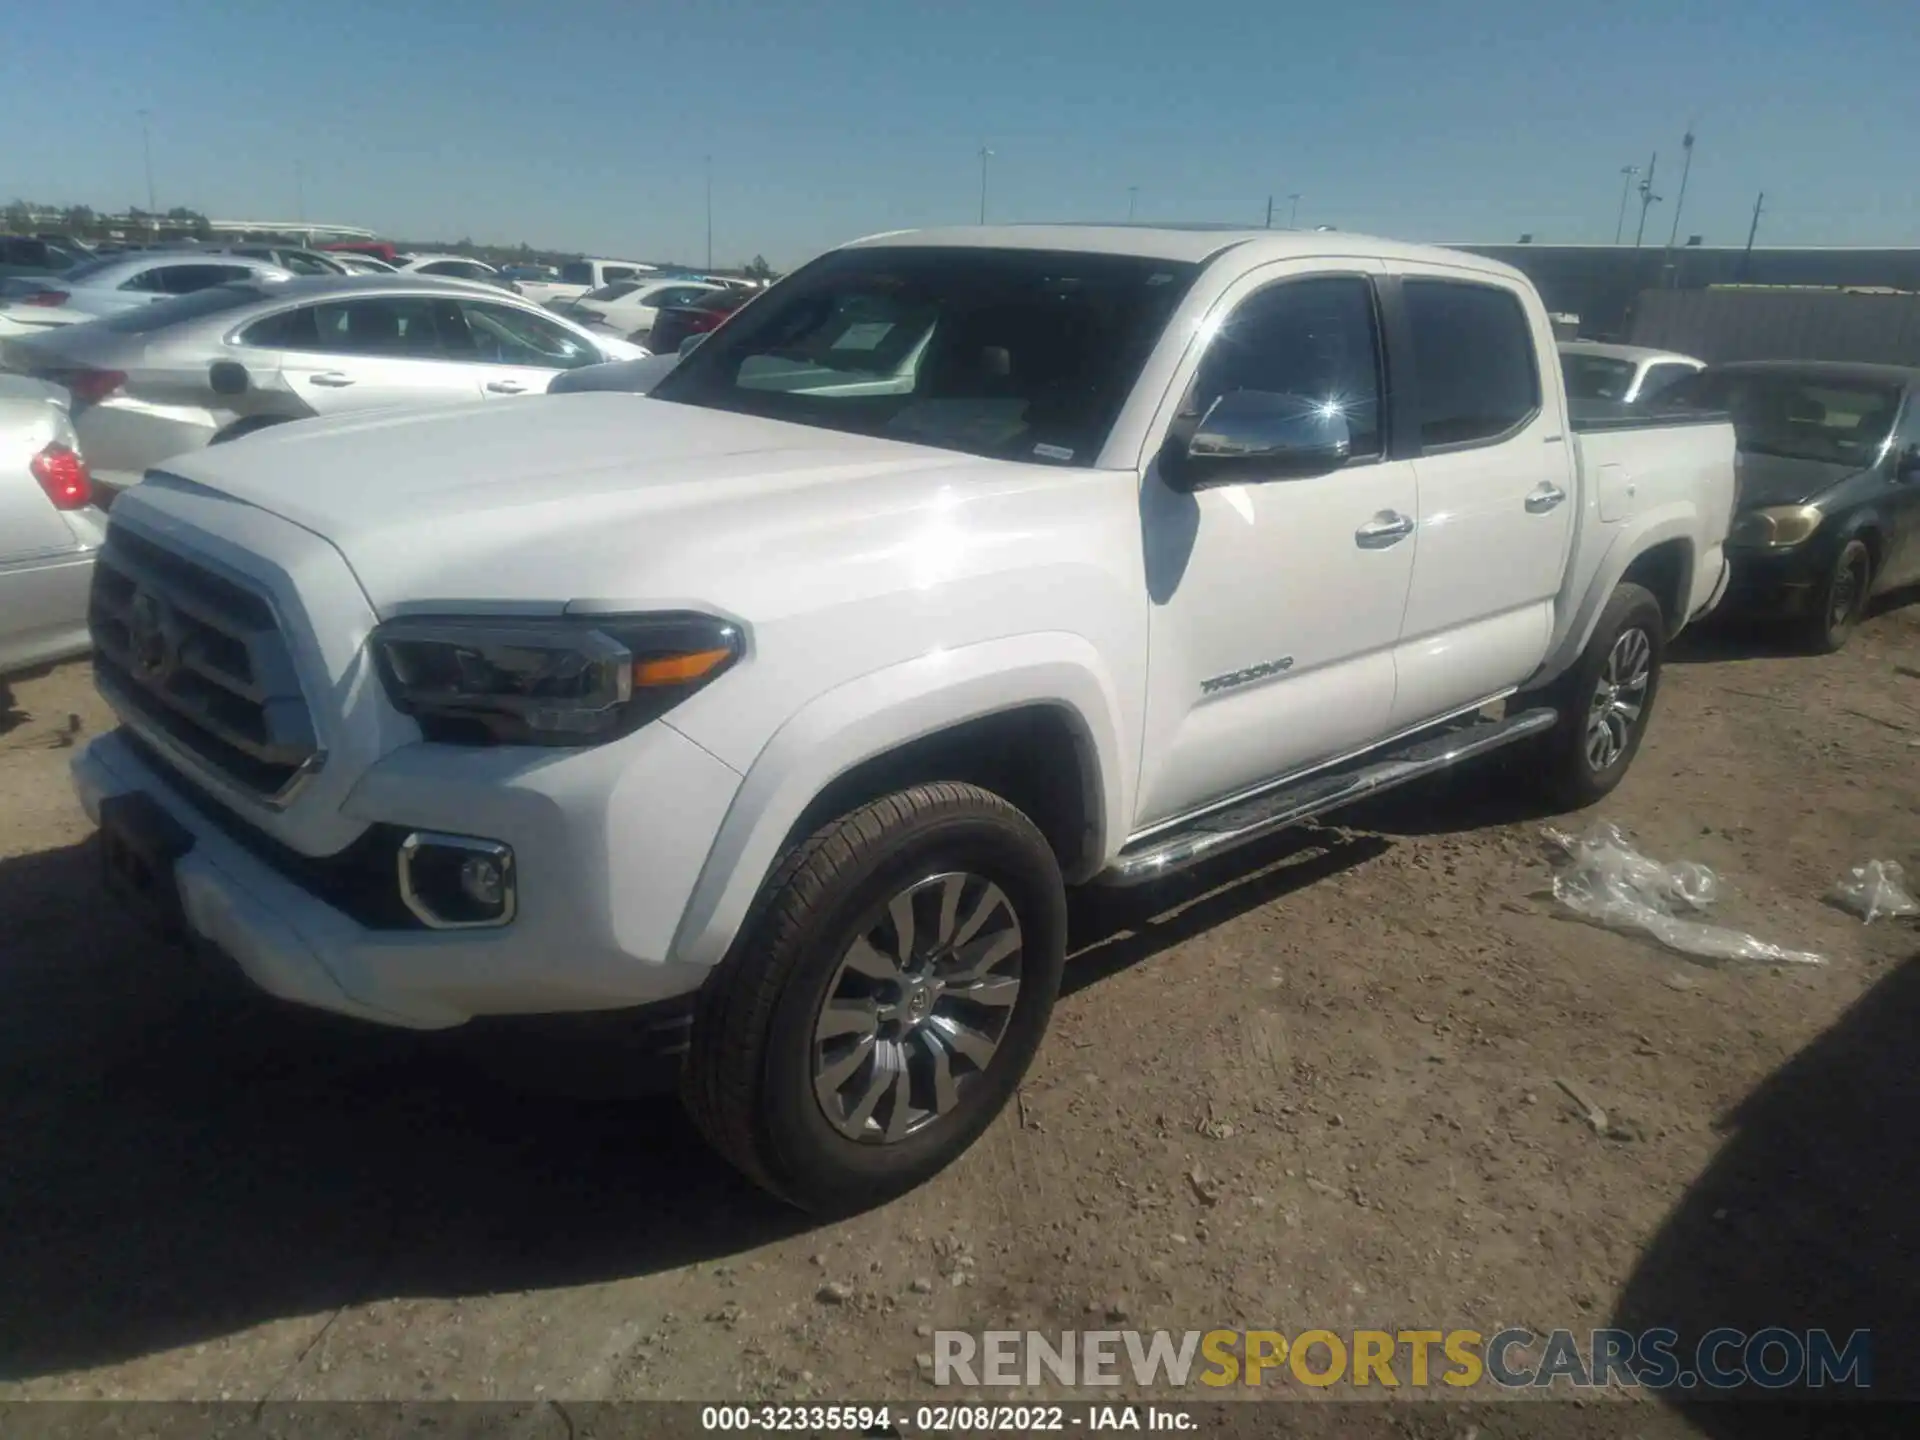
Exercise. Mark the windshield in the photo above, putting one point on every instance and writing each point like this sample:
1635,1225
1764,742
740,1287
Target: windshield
162,313
1596,377
1801,417
1019,354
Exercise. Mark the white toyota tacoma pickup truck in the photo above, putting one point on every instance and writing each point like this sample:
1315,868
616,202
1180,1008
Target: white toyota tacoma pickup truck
782,706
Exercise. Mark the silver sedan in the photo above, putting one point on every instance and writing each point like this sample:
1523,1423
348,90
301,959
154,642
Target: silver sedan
209,367
49,527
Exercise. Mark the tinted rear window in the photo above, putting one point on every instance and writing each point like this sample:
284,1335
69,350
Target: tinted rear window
162,313
1473,350
577,273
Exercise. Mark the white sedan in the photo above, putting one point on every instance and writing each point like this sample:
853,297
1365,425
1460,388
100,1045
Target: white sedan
125,282
629,307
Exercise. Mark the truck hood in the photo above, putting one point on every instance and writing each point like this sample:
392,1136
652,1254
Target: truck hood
602,497
1782,480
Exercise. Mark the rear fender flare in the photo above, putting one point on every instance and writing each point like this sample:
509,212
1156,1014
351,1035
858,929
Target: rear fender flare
880,712
1633,539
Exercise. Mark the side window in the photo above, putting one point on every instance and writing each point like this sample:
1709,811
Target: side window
1661,378
1473,353
289,330
145,281
1313,338
503,335
610,273
398,327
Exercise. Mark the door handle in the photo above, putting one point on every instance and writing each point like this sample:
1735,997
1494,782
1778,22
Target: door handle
1545,496
506,387
333,379
1389,527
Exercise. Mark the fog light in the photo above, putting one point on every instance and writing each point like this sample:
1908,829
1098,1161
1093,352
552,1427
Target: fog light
455,882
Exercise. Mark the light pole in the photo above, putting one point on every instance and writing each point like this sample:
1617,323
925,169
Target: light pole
1293,211
1647,199
1627,172
1133,195
146,144
1680,200
709,212
985,155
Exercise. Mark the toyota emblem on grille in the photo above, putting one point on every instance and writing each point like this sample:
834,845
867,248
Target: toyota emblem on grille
150,636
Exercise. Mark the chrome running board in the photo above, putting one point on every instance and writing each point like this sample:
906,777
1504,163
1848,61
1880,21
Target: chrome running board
1224,830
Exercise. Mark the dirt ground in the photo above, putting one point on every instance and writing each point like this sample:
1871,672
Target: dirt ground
1314,1086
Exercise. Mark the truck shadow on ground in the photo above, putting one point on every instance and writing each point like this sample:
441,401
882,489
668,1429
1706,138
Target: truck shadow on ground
1807,1217
184,1158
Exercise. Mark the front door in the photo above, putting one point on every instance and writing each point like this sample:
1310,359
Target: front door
518,352
1276,604
1497,494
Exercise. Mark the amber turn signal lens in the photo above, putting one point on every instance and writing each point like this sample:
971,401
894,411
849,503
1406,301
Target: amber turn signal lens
679,669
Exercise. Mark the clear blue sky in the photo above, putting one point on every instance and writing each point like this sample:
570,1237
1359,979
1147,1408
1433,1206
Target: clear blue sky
583,123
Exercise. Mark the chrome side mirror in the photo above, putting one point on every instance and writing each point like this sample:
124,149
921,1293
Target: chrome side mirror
1251,435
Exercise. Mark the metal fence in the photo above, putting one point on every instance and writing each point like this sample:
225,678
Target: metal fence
1784,324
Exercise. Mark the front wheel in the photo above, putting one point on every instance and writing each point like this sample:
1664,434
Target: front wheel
1605,700
1840,600
884,1002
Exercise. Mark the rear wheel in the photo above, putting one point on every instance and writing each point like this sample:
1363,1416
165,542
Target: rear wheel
1840,601
1605,700
885,1001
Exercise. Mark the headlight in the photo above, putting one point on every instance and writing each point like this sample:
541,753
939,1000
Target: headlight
566,681
1776,527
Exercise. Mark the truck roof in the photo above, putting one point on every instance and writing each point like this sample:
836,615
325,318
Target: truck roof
1195,244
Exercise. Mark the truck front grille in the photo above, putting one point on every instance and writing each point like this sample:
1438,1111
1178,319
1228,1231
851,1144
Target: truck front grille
196,663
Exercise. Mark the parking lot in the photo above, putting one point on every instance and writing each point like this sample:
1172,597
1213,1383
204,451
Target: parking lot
1317,1085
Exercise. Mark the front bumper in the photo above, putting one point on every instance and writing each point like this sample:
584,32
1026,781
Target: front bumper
608,843
1775,584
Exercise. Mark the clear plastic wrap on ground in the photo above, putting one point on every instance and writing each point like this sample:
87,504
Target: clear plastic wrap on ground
1874,891
1602,878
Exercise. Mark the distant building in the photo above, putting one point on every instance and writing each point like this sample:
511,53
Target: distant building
1598,283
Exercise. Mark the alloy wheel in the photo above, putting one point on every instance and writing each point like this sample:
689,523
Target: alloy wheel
917,1008
1619,698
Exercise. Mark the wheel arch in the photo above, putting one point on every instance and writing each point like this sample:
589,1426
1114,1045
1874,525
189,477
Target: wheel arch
1660,547
1036,714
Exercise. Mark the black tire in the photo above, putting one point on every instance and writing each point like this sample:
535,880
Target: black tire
1840,601
1573,773
749,1081
245,427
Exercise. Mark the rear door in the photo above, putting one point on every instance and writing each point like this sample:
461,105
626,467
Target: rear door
373,353
1496,492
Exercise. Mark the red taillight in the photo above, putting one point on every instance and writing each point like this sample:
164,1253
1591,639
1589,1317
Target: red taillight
91,386
703,321
46,297
64,476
